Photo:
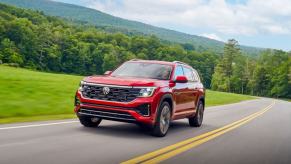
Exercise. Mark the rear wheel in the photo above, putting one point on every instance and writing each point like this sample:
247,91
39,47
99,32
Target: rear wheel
90,121
196,121
162,124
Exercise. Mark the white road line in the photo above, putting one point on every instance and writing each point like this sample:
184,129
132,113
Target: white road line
37,125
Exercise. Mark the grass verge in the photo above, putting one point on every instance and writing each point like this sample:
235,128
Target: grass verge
214,98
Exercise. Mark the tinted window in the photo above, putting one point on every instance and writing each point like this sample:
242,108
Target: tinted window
179,71
188,73
144,70
196,76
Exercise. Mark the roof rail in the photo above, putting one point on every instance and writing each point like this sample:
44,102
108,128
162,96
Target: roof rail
134,59
179,62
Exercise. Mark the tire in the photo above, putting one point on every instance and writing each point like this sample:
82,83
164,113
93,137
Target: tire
90,121
163,121
196,121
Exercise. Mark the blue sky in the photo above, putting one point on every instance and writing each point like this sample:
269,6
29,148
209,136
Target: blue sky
260,23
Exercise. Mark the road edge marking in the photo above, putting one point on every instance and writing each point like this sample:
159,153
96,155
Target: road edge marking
161,153
37,125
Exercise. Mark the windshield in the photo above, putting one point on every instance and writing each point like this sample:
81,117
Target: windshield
144,70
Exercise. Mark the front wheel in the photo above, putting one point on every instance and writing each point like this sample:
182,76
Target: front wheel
196,121
162,124
90,121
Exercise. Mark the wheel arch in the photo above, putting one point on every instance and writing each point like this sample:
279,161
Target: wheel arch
168,98
201,98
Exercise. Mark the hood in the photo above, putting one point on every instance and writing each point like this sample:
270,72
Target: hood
126,81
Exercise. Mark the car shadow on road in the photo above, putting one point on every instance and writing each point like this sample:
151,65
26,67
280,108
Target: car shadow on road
118,129
182,127
126,130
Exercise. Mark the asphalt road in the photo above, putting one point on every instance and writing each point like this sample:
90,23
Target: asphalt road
264,139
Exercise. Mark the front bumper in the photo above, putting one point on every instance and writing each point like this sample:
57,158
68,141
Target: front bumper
118,111
106,114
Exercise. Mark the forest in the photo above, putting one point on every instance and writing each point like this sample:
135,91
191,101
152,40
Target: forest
33,40
110,23
269,75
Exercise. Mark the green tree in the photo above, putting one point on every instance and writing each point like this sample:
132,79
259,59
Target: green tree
241,74
281,87
110,61
289,65
9,52
262,81
219,80
231,50
224,70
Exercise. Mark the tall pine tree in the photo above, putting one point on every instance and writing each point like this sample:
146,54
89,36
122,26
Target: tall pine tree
221,79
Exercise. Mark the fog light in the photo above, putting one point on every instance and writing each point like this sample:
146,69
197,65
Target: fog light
77,101
144,109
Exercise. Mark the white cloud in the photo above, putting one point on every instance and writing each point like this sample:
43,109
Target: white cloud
212,36
249,18
276,29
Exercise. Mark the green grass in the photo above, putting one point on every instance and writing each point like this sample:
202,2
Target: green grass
31,96
220,98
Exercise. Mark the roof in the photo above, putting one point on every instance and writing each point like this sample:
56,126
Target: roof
158,62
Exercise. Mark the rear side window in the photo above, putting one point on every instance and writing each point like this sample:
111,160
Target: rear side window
178,71
196,76
188,73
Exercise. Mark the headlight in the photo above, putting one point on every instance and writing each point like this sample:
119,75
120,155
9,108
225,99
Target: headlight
146,92
81,85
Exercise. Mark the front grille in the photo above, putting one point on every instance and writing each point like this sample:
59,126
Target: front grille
114,115
120,94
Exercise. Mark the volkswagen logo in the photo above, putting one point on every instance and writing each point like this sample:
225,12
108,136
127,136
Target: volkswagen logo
106,90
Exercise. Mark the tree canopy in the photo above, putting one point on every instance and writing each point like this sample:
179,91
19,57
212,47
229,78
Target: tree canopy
267,76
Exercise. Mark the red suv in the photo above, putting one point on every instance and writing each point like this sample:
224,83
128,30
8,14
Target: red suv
145,92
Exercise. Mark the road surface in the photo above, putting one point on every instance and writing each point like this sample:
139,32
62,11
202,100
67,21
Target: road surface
255,131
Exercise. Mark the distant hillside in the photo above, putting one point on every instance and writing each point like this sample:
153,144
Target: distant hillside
95,17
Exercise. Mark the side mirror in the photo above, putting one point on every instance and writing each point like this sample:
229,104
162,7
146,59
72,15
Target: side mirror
181,79
107,72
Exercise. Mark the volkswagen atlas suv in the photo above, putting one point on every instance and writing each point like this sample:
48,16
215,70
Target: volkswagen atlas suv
145,92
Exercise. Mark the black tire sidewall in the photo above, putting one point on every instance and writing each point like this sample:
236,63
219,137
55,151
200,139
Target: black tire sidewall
156,131
193,121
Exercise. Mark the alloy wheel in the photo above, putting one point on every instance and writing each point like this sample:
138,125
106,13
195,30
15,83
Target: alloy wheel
165,119
200,113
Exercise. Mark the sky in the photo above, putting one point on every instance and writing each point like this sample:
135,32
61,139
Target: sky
259,23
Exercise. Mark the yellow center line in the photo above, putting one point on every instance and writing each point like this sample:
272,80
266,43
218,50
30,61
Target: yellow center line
175,149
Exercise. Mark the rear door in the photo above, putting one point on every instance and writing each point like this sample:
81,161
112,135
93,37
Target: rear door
197,86
191,89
